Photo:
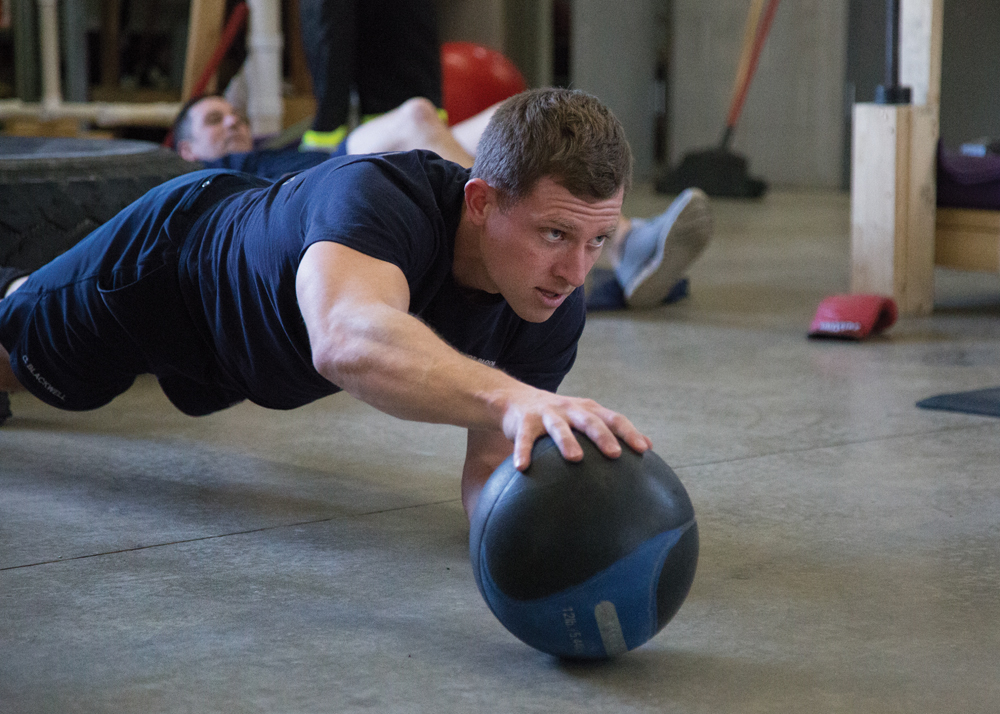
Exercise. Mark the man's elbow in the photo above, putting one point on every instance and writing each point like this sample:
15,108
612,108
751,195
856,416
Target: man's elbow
338,359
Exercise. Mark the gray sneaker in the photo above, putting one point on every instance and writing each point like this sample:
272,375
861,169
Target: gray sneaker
658,252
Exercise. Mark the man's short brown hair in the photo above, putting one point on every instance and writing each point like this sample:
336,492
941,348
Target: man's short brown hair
181,130
567,135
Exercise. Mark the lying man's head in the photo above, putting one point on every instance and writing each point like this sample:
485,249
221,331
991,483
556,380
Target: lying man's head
209,128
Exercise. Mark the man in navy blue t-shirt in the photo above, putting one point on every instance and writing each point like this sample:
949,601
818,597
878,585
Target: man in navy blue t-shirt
429,291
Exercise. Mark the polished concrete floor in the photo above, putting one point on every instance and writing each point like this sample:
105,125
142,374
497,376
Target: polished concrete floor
316,560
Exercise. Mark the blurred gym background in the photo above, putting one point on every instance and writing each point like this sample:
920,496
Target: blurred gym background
665,67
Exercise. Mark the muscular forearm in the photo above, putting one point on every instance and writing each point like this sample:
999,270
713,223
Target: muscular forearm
396,363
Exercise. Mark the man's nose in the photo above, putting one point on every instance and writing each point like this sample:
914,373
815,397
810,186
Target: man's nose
574,265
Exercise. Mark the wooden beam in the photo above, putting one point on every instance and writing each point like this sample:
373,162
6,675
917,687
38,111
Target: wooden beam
893,172
968,239
110,22
204,30
298,68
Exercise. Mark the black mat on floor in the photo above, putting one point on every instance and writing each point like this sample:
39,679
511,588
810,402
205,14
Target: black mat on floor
978,401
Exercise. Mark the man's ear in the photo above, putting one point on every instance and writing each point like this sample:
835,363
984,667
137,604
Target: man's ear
480,199
184,149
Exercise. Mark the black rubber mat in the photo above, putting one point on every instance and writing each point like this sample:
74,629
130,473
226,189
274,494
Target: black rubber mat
978,401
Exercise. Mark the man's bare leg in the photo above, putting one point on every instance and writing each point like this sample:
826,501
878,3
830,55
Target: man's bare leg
415,124
467,132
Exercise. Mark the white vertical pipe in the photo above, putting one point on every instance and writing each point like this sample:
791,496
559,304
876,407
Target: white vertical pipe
264,45
48,19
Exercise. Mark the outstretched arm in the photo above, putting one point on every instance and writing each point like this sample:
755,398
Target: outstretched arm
364,340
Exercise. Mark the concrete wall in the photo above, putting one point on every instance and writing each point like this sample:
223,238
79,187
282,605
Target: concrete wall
480,21
613,56
970,71
791,129
792,126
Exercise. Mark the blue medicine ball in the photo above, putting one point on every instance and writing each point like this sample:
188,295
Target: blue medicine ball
584,560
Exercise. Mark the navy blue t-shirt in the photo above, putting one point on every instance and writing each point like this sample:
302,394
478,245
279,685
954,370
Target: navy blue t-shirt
272,164
239,264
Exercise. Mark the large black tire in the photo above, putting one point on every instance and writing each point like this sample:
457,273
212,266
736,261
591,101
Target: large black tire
53,192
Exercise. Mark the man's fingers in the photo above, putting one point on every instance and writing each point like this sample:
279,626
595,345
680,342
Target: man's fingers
602,436
605,430
630,435
527,434
522,454
602,426
562,435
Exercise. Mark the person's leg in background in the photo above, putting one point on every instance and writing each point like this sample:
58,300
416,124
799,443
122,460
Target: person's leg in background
467,132
650,257
329,38
398,55
413,125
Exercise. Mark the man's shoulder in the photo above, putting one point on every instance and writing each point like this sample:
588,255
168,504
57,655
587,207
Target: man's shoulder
418,164
269,164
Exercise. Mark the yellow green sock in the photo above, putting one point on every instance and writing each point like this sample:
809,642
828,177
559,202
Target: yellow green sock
442,113
323,140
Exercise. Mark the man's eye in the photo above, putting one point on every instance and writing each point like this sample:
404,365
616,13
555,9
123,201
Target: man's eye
598,241
553,233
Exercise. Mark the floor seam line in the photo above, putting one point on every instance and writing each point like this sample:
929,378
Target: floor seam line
827,446
221,535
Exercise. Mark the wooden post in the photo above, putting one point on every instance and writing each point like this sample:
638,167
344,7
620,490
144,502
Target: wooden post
110,64
893,204
204,31
298,68
893,173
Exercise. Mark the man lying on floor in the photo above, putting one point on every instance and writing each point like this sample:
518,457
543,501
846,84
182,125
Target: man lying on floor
649,257
429,291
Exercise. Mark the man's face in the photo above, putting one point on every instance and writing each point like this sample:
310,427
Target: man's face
216,130
540,249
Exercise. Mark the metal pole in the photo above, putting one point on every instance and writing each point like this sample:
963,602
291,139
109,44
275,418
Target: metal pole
891,92
892,43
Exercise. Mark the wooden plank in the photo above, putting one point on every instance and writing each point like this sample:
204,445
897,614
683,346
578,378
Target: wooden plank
110,22
204,30
914,278
967,249
298,68
968,239
969,218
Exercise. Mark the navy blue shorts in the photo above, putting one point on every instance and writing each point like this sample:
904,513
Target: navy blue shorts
81,328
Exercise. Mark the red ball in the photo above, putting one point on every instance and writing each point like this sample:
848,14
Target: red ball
474,78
